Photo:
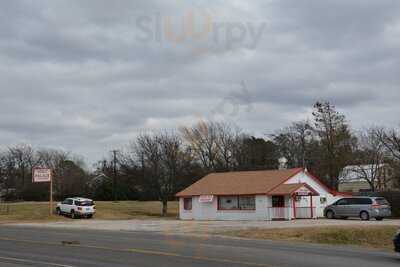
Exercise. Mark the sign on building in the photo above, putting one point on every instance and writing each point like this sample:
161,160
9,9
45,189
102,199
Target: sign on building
41,175
206,199
303,192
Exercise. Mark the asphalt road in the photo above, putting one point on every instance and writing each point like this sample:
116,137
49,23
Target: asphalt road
21,246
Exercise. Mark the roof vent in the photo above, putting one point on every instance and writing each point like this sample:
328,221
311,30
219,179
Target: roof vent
282,163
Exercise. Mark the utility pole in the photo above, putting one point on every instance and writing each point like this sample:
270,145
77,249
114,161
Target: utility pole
115,174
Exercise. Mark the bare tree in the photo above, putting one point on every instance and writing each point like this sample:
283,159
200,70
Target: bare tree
17,162
203,140
217,145
7,172
369,160
162,159
294,142
173,159
390,138
335,139
229,144
24,158
68,175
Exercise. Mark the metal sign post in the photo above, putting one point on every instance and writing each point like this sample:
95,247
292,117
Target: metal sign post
44,175
51,195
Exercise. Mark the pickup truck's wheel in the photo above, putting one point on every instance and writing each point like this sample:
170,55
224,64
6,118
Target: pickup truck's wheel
330,214
90,216
364,216
58,211
73,215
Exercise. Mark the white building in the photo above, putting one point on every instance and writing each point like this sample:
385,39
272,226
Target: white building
360,178
256,195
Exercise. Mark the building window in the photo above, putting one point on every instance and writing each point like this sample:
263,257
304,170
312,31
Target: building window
228,203
187,203
279,201
237,203
247,202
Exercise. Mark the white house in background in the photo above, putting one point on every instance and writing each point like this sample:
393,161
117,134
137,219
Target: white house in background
256,195
354,178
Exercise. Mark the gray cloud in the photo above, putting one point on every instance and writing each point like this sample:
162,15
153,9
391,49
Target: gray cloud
75,75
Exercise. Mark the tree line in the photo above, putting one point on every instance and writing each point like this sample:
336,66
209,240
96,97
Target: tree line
155,165
17,162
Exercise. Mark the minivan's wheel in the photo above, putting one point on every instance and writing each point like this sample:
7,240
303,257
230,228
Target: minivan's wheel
379,218
58,211
73,215
364,216
330,214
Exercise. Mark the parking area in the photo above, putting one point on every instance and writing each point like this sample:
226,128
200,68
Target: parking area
201,227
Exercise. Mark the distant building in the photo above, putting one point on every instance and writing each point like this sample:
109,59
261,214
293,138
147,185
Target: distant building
358,178
98,180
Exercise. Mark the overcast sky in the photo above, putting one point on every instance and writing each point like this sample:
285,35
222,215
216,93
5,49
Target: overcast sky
88,76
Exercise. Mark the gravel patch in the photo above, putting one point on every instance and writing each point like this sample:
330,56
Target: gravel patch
199,227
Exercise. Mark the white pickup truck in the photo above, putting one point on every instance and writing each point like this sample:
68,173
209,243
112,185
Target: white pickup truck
76,207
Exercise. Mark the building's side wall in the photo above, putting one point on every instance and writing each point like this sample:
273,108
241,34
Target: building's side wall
209,211
184,214
354,187
357,186
323,193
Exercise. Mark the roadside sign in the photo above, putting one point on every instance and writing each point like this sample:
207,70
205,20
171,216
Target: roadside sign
41,175
206,199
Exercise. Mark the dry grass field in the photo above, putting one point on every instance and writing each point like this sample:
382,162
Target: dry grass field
39,211
379,237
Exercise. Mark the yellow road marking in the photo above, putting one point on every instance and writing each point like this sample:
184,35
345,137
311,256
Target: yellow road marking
139,251
35,262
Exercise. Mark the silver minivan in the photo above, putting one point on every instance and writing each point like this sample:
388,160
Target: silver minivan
362,207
